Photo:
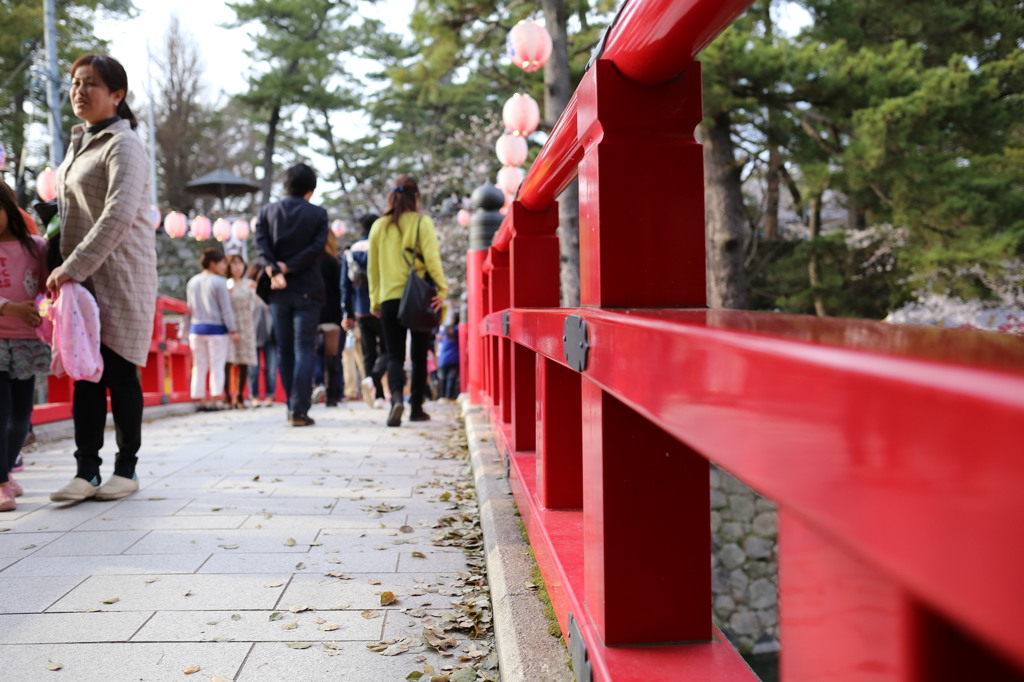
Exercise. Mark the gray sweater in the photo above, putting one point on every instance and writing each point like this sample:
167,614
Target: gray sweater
209,301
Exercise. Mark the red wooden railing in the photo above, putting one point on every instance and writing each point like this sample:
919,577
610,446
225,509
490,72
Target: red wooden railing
894,453
165,378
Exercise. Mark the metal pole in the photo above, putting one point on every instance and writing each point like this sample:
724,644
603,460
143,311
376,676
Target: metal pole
53,99
152,127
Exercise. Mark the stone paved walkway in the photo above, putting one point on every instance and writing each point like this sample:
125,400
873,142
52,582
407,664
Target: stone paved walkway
247,537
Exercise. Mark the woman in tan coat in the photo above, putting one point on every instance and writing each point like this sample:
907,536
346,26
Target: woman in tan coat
108,245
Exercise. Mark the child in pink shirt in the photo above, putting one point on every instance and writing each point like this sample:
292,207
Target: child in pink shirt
22,355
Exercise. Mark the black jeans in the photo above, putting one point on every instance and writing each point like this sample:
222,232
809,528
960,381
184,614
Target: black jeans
374,361
89,411
394,345
15,412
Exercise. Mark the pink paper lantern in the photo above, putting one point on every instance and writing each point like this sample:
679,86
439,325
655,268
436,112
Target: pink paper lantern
509,179
46,184
221,230
154,217
529,45
200,228
338,227
521,114
511,150
175,224
240,229
462,217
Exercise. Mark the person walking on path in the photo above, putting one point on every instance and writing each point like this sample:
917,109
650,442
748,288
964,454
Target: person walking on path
266,347
355,295
22,353
330,320
393,239
241,353
107,243
290,236
211,328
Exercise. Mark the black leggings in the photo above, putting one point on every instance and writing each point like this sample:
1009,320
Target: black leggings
394,346
89,410
15,412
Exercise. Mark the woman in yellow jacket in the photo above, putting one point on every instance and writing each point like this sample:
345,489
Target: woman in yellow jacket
393,240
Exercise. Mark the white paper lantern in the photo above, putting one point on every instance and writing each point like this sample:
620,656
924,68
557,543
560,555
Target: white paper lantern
529,45
521,114
511,150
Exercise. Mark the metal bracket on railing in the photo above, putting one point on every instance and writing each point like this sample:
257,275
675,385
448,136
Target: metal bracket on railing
506,322
575,338
578,652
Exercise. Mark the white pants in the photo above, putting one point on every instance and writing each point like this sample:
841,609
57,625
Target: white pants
209,353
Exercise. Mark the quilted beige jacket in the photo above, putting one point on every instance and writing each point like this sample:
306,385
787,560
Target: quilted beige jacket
106,233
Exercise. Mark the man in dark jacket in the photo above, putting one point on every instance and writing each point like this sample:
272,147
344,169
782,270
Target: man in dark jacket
290,236
355,303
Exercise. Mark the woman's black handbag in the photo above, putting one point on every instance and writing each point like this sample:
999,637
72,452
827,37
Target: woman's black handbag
263,286
414,311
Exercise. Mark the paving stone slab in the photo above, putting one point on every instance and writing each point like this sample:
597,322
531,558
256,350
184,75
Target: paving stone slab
259,626
193,541
306,563
18,545
91,543
171,592
33,594
122,662
355,520
190,522
269,505
105,565
351,663
412,590
52,628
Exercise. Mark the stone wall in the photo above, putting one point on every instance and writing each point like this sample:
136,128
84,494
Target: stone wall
744,563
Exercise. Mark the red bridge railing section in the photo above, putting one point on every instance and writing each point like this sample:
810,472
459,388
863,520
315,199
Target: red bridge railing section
894,453
165,378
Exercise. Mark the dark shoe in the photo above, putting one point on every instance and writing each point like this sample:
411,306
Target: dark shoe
302,420
332,403
418,416
395,415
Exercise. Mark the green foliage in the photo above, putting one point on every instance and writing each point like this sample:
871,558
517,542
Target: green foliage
779,279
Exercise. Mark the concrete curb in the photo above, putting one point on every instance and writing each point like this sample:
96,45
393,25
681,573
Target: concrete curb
525,649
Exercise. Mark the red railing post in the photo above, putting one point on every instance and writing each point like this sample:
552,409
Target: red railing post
535,264
476,305
641,191
559,437
641,245
501,388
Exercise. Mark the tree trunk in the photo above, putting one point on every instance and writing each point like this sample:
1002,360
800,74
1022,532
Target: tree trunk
268,155
771,196
557,92
813,264
726,227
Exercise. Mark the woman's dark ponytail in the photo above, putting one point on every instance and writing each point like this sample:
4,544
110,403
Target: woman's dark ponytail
126,113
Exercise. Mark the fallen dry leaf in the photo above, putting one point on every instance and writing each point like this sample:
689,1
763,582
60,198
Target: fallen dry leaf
191,669
334,646
53,665
419,555
298,608
387,598
329,627
228,546
150,581
299,645
276,615
290,542
276,583
370,614
112,600
291,625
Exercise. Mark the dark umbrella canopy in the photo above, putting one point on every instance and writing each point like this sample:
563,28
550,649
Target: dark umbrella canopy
221,183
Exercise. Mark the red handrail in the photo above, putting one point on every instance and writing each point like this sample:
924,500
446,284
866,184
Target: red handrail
892,452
